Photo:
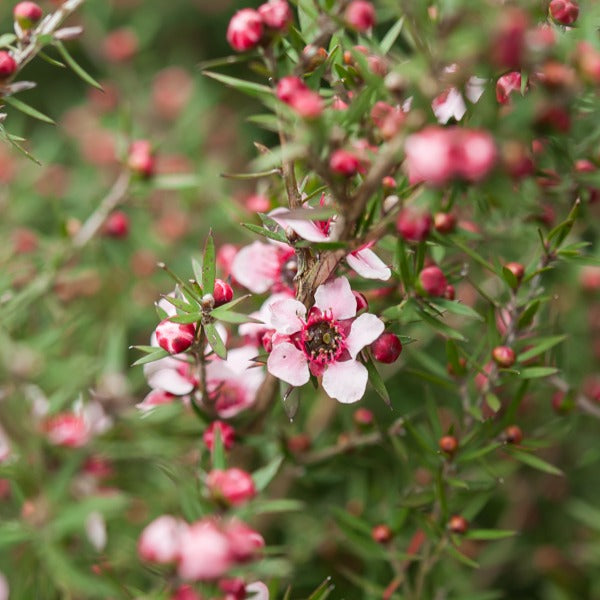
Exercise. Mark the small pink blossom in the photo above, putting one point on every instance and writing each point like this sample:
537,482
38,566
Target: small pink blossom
67,429
414,224
234,486
276,14
4,588
245,541
360,15
245,29
295,93
346,163
227,433
160,540
325,342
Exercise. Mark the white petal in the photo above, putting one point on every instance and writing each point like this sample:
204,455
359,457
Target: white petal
287,316
365,330
336,296
305,228
345,381
453,106
475,88
256,266
368,265
258,591
288,364
170,381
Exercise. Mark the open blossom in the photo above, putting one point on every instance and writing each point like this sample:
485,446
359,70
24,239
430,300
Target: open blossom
76,428
326,341
160,540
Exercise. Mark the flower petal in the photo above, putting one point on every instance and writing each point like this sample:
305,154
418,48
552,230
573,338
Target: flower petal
365,330
450,104
368,265
345,381
162,374
305,228
287,315
288,364
336,296
256,266
258,591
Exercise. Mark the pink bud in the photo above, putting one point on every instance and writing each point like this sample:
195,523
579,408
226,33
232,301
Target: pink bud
564,12
185,592
8,64
504,356
444,222
117,224
386,348
222,293
345,163
360,15
141,158
413,224
245,29
67,429
205,552
27,14
160,539
175,337
276,14
234,486
429,156
338,104
508,45
432,281
245,542
288,87
120,45
307,104
235,589
506,85
477,154
363,417
227,433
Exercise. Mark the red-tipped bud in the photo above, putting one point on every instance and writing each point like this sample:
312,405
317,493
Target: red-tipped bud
227,433
299,443
363,417
386,348
517,269
449,292
444,222
175,337
27,14
458,524
382,534
413,225
448,444
222,293
360,15
432,282
276,14
344,163
564,12
504,356
245,29
506,85
8,65
141,158
513,434
233,486
389,183
117,224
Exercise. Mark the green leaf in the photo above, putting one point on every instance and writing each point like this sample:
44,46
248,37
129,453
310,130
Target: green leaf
537,372
272,235
208,265
51,61
157,355
391,36
263,476
79,71
452,551
377,382
541,346
510,278
323,591
179,181
219,459
215,341
180,304
229,305
527,317
493,402
256,90
441,327
197,269
186,319
469,252
534,461
585,513
478,453
229,316
6,39
28,110
457,308
489,534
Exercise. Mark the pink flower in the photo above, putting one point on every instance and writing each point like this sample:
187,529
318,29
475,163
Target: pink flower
4,588
564,12
360,15
160,540
170,375
185,592
429,156
5,449
449,105
245,542
205,552
245,29
222,292
67,429
477,155
386,348
227,433
155,398
414,224
325,342
234,486
295,93
232,383
276,14
345,163
432,281
27,14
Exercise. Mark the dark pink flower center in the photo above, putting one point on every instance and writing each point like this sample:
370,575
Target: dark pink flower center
322,339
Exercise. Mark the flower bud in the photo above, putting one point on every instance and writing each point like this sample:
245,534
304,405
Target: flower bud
448,444
222,293
299,443
234,589
449,292
185,592
564,12
513,434
245,29
344,163
363,417
458,524
506,85
413,224
432,282
141,158
175,337
386,348
478,154
444,222
8,65
517,269
389,183
117,224
244,541
360,15
226,431
504,356
27,14
382,534
276,14
159,542
233,486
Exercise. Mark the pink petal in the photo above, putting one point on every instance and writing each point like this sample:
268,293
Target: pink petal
258,591
337,297
345,381
256,266
287,316
288,364
449,104
365,330
368,265
305,228
162,374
